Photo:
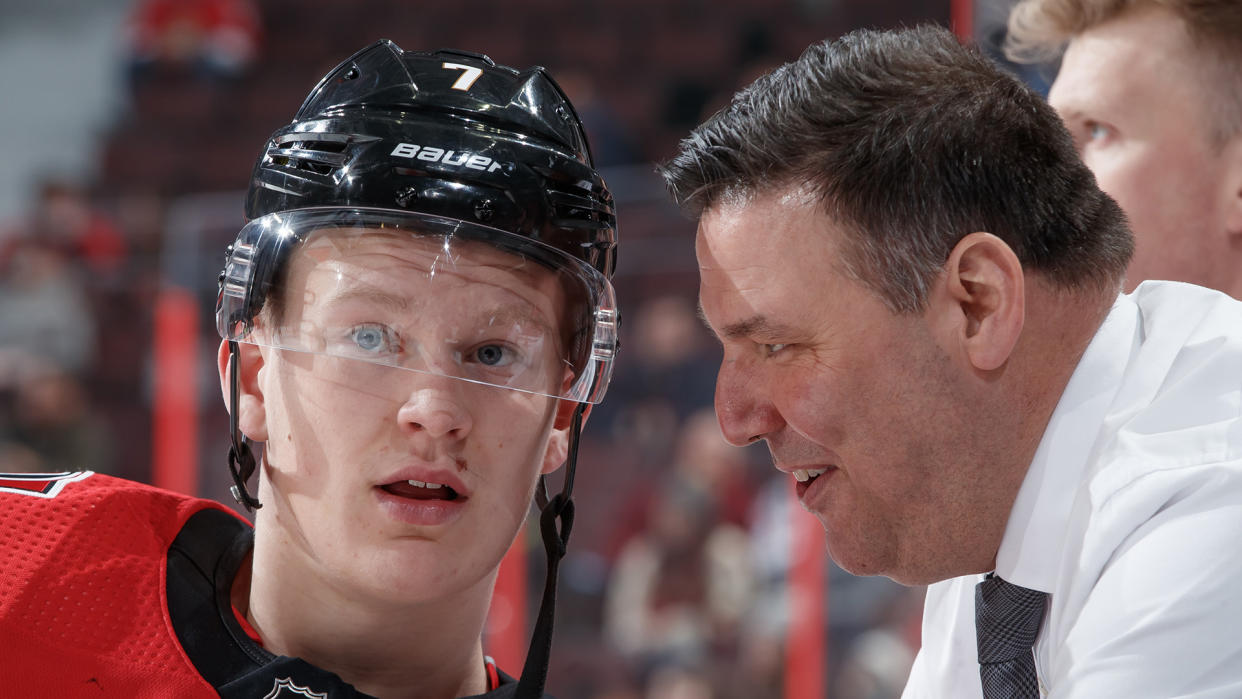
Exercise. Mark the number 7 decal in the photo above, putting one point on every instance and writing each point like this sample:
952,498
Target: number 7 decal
468,75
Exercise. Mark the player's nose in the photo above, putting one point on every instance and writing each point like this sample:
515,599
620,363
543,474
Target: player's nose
435,409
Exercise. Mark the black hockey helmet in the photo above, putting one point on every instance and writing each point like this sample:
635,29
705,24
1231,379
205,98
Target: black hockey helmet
447,133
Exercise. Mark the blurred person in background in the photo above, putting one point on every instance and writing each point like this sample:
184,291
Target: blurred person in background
682,583
665,381
64,218
50,417
216,40
415,322
1152,92
918,289
44,309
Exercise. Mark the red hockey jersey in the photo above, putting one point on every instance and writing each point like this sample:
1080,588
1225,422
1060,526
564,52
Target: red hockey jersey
82,588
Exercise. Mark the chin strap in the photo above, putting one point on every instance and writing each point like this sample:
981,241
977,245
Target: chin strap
555,540
241,459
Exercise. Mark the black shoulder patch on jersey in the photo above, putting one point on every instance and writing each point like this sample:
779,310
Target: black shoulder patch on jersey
202,562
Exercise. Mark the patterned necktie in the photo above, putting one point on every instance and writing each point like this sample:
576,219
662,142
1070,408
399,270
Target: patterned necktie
1007,619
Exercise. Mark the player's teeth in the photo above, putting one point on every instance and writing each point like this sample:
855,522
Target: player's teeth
433,486
417,484
817,472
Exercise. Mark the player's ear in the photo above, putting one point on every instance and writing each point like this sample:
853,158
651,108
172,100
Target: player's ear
251,410
978,302
558,442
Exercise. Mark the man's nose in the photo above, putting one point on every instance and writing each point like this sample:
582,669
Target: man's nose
743,406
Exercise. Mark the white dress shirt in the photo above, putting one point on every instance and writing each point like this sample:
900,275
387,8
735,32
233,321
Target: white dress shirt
1130,516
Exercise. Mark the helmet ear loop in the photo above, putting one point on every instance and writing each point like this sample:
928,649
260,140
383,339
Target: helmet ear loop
241,458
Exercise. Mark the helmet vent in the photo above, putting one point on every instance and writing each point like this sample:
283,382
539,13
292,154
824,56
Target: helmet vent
319,153
575,210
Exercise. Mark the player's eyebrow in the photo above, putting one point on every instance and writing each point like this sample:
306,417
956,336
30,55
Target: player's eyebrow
368,294
517,314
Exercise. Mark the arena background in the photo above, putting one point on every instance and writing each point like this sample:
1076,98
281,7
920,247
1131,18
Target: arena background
128,130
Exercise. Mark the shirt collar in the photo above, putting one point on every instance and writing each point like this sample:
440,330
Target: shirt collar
1034,537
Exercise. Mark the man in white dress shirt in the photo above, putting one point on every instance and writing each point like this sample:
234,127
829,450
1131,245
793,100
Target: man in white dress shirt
917,284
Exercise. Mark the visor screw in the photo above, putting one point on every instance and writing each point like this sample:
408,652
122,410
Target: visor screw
405,195
484,210
352,73
563,113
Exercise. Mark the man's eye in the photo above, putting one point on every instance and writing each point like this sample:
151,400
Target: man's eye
1097,131
773,348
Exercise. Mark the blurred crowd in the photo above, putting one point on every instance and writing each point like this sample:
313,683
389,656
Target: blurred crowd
676,584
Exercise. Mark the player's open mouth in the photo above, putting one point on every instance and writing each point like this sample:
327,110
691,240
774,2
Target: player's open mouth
419,490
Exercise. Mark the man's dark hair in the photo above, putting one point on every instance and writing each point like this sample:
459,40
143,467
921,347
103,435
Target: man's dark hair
911,141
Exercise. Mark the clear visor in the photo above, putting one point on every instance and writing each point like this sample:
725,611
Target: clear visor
375,292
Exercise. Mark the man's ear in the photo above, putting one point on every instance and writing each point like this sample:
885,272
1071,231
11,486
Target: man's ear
251,410
980,303
558,442
1233,184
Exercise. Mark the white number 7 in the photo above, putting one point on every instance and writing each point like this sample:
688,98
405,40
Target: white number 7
468,75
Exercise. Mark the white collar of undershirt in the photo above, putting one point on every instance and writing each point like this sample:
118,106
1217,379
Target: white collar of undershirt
1034,538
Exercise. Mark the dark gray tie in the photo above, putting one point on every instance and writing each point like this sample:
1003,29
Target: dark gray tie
1007,619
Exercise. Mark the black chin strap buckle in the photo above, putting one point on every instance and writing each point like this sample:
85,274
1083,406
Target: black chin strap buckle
241,465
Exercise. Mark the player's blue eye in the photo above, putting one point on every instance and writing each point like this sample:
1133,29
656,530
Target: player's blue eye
371,338
492,355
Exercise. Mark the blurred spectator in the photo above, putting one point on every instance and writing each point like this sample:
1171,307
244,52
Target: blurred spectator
875,666
214,39
64,218
48,333
875,612
681,585
611,142
678,588
52,428
43,309
18,458
674,682
668,373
